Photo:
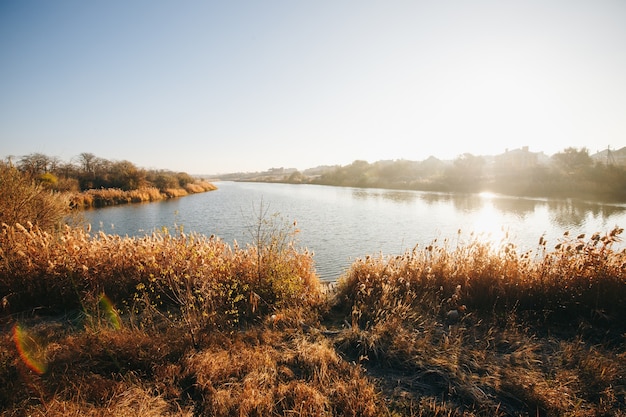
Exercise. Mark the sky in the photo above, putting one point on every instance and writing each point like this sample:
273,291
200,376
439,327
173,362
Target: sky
215,87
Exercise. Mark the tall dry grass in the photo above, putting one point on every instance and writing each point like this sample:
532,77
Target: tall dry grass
115,196
204,329
579,277
205,279
183,324
493,331
200,186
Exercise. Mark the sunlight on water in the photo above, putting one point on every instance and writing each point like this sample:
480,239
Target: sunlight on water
487,195
341,224
487,224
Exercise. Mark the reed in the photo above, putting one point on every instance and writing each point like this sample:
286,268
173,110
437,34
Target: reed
115,196
180,324
495,331
578,277
199,187
184,271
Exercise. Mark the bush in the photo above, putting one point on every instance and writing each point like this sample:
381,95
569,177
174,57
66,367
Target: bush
24,201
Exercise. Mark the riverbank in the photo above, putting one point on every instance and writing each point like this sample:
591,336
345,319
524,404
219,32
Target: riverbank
184,325
570,174
103,197
606,193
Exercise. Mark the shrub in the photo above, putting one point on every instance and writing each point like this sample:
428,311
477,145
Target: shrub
23,201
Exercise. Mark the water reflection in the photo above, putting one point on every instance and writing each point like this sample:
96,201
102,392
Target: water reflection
390,195
568,213
342,224
435,198
611,210
463,202
564,212
520,207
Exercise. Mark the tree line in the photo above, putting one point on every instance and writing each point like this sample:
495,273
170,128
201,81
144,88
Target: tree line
570,173
87,171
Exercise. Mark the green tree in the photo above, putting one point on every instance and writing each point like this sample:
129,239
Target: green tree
573,160
466,173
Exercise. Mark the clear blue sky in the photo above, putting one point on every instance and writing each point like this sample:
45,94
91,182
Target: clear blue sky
223,86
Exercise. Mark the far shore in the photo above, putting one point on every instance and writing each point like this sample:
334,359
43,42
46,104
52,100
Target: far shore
104,197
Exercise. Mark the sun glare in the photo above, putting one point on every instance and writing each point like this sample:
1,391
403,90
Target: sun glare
486,225
487,195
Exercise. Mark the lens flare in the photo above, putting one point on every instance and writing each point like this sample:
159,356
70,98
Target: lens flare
109,311
31,351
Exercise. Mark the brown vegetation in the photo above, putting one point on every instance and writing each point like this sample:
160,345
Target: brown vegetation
187,325
115,196
24,201
491,331
97,182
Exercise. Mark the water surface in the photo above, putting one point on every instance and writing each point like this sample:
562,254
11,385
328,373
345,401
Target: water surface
340,224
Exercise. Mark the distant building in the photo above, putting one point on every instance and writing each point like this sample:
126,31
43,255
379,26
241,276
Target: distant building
611,156
517,159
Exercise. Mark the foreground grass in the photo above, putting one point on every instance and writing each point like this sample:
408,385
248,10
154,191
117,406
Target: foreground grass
185,325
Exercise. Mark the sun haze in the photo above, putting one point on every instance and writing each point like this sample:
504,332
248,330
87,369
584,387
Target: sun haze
214,87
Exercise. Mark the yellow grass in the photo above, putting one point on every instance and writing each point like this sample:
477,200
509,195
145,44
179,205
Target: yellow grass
193,326
495,331
115,196
200,187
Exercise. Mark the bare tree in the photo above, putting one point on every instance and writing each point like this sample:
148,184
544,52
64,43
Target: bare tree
87,161
35,164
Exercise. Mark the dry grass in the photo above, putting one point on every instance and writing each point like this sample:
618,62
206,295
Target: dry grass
199,187
278,373
491,331
115,196
175,192
257,372
203,279
192,326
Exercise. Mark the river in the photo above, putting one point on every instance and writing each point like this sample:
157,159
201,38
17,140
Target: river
341,224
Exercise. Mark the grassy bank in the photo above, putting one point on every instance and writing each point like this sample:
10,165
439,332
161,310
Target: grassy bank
115,196
185,325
